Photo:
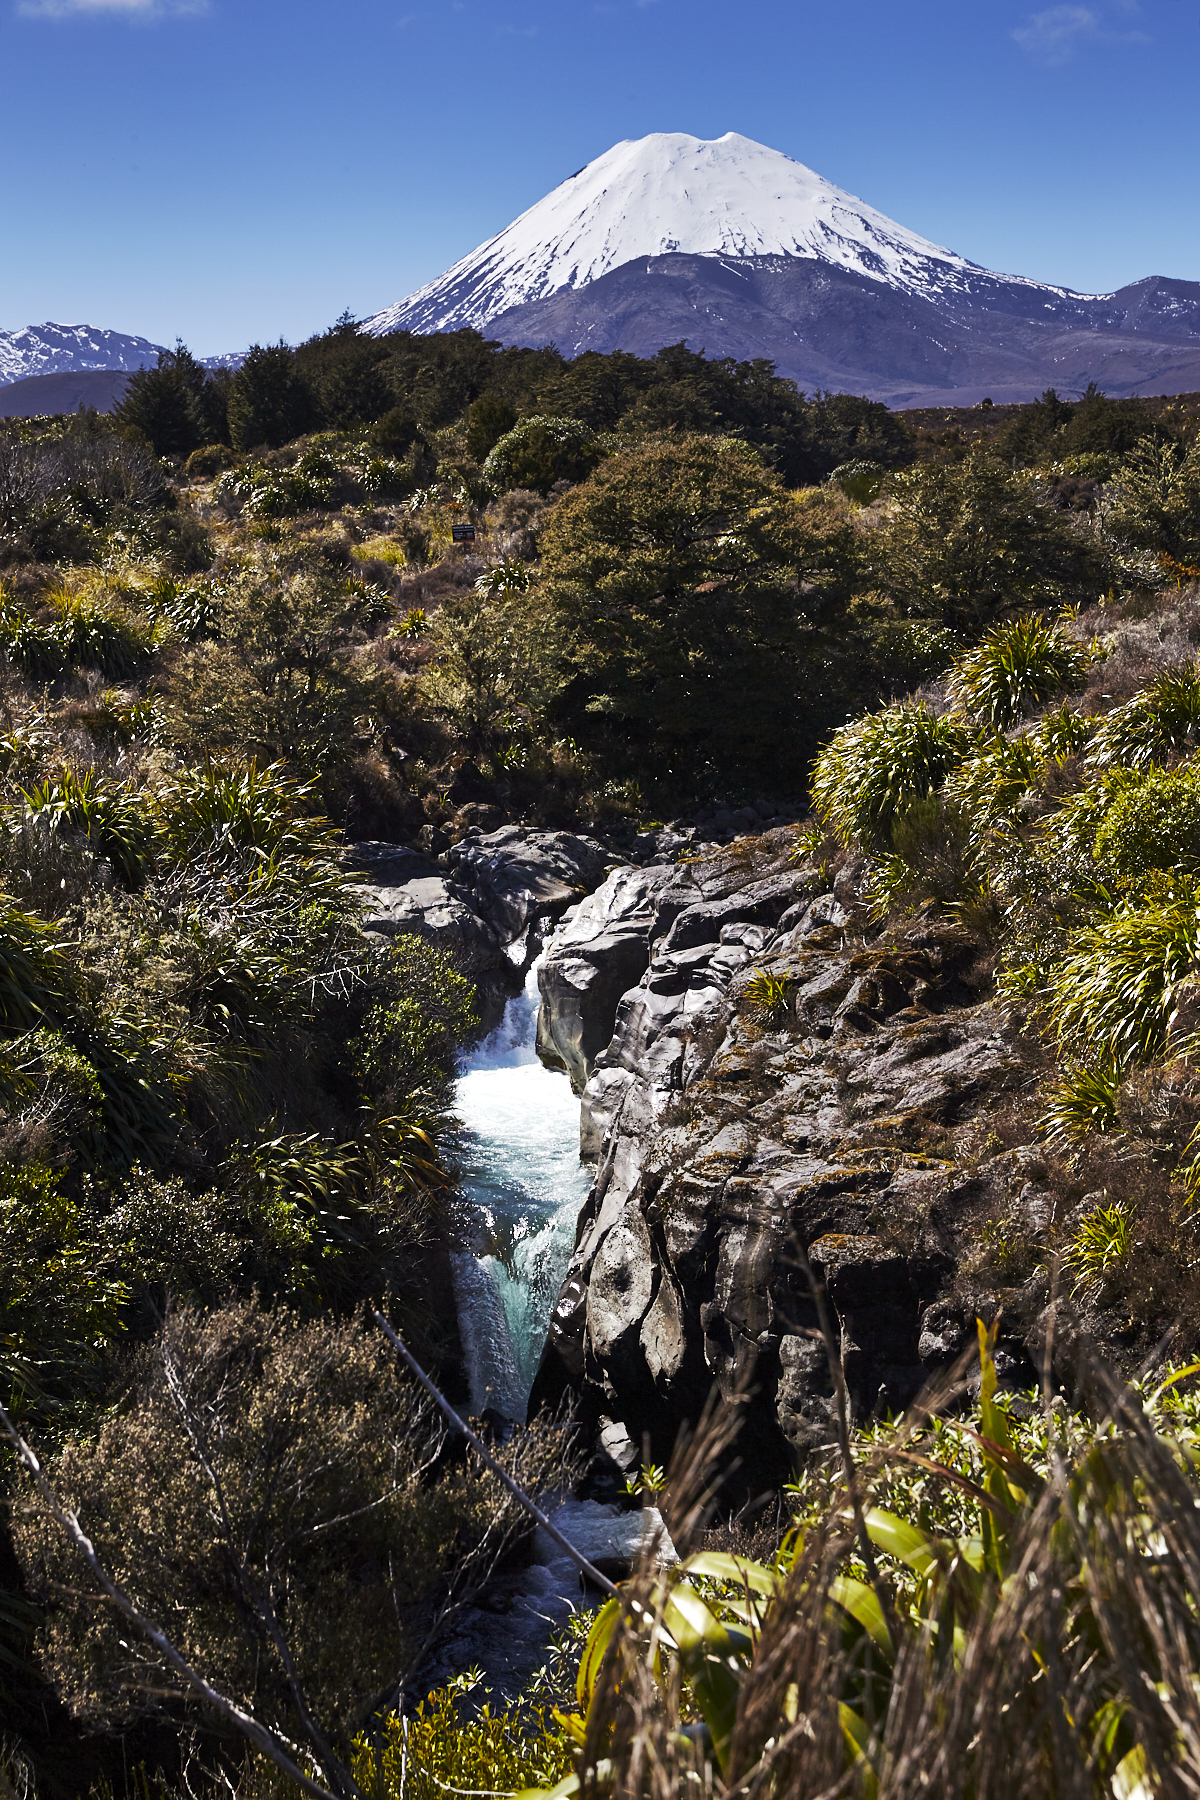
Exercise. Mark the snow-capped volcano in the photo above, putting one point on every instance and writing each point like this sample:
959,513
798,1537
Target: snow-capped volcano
737,250
671,194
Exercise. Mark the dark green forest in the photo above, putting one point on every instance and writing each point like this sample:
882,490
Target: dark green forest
237,634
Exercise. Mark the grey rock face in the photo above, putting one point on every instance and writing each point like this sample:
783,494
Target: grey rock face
406,892
514,876
737,1152
596,957
490,899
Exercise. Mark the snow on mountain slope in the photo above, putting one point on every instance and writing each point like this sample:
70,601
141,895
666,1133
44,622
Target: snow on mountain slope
671,193
65,349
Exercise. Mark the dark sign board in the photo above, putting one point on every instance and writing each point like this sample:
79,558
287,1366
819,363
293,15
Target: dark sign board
463,534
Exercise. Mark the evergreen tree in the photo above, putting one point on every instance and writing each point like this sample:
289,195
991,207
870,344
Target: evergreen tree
167,403
269,402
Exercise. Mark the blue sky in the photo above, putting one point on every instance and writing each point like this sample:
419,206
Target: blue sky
232,170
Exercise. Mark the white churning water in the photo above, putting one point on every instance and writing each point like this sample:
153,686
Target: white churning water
525,1184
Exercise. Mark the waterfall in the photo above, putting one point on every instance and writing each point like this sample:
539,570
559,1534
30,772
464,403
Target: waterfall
524,1185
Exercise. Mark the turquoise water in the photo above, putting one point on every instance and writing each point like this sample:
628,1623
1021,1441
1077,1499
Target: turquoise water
524,1185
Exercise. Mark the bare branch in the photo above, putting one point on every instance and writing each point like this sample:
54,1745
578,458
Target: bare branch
489,1461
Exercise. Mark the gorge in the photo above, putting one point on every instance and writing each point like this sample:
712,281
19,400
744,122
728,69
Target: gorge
852,1125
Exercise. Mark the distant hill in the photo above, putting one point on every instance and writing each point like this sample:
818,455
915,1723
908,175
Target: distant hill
101,388
741,251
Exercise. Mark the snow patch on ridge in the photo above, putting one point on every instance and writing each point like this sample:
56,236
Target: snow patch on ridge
52,349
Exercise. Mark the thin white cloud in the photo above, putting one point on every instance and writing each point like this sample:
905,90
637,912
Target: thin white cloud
142,10
1052,37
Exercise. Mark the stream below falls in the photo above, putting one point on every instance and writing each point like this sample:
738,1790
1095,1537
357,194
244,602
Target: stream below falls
523,1184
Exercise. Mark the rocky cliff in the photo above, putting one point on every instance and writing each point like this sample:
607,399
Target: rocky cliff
841,1118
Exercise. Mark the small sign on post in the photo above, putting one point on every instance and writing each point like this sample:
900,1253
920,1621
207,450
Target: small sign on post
462,534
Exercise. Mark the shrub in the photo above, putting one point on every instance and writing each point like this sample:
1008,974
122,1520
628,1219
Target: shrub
859,481
1158,502
541,451
452,1744
1154,824
264,1481
989,786
60,1302
1062,732
874,768
422,1014
37,984
965,541
208,461
1017,667
496,664
1023,1623
694,594
380,549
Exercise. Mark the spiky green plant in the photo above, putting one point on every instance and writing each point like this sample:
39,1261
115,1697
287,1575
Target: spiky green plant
768,994
1083,1100
1019,665
37,981
1062,732
97,631
1160,722
1112,998
874,768
1101,1244
115,821
988,786
243,807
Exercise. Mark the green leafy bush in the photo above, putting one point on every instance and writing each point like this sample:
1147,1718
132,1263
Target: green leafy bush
61,1302
1015,668
1152,824
539,451
873,769
422,1012
859,481
210,460
454,1743
964,541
